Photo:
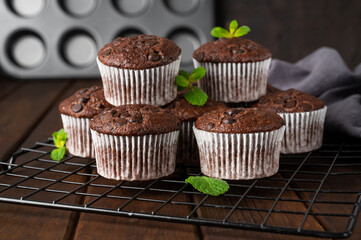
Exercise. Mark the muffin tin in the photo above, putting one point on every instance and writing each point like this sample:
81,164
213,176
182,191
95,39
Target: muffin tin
61,38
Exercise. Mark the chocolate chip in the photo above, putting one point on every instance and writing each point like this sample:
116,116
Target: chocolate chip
228,120
236,50
232,111
136,118
306,106
76,107
121,121
291,103
200,56
83,99
153,57
125,115
106,52
210,126
108,117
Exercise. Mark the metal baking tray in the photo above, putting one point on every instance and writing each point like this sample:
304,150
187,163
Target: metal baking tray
61,38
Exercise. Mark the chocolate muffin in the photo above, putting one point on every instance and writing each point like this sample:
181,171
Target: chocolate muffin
188,114
135,142
76,112
239,143
139,70
237,69
304,115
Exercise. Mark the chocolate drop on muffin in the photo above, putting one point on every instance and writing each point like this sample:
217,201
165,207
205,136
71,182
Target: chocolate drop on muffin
135,120
85,103
231,50
239,120
139,52
289,101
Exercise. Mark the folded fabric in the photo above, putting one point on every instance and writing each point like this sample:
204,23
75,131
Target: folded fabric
324,74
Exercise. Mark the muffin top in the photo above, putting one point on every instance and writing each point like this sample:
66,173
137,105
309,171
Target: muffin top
188,112
289,101
85,103
135,120
239,120
139,52
234,50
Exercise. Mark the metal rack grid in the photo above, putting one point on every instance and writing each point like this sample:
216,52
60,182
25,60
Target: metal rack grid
308,182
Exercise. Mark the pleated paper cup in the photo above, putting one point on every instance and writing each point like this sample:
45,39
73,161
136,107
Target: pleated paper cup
304,131
154,86
234,82
187,145
239,156
79,141
135,157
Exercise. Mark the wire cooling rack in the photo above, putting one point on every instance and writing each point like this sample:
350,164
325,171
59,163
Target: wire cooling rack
314,194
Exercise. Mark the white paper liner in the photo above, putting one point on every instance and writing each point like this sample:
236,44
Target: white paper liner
234,82
239,156
187,145
79,141
154,86
304,131
135,157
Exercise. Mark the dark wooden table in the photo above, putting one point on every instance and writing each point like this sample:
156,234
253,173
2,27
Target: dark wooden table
29,113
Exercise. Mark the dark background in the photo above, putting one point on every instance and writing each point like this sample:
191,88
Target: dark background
291,29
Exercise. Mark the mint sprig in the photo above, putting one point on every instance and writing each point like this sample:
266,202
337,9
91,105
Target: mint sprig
208,185
59,139
185,81
220,32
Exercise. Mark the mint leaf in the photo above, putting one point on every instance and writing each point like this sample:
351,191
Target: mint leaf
242,31
181,81
197,74
219,32
207,185
179,88
196,96
60,138
233,26
58,154
183,73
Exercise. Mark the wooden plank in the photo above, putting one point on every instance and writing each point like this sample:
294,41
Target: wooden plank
7,87
255,217
23,110
340,183
45,223
92,226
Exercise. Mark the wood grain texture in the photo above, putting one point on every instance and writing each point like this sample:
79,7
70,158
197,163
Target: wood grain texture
92,226
293,29
332,183
23,109
255,217
24,222
37,223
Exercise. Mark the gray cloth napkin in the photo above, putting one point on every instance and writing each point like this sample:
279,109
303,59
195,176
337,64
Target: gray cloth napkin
324,74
